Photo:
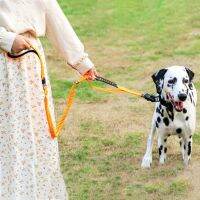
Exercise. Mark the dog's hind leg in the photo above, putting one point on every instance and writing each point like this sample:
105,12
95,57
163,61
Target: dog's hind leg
147,159
162,148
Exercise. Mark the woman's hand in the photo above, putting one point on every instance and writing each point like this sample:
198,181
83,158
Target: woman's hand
20,43
91,74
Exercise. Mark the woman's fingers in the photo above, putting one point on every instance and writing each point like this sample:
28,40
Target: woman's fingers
26,45
91,74
29,43
20,43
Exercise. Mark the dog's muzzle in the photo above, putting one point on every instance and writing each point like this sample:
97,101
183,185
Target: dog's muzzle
178,105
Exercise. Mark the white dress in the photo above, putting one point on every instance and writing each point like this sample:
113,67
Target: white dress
29,158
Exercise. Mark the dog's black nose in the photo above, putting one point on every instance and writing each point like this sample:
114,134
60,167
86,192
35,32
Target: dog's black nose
182,97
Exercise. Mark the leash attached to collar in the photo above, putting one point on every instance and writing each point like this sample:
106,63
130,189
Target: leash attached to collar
147,96
55,131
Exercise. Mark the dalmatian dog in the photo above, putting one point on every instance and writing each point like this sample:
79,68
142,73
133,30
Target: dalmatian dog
175,113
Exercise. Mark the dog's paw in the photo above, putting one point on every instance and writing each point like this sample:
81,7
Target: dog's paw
186,162
162,161
146,162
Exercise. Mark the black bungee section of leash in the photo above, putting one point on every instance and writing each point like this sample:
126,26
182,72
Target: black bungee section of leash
108,82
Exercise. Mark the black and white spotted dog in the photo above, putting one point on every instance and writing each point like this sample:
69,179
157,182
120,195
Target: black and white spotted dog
175,113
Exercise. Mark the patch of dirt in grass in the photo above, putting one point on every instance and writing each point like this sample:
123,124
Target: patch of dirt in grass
191,173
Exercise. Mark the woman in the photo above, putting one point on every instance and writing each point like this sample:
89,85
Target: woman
29,158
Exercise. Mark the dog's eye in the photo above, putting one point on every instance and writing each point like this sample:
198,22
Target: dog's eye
185,81
172,81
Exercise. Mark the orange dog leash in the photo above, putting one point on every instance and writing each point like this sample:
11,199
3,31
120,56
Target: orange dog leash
56,130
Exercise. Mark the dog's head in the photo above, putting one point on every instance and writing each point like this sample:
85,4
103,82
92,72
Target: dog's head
173,84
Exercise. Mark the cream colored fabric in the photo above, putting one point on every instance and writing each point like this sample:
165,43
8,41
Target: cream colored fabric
29,158
40,18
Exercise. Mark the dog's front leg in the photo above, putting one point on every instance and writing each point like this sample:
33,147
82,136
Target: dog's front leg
187,150
147,159
162,148
182,145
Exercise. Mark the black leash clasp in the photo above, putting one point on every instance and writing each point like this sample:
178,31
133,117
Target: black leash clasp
151,97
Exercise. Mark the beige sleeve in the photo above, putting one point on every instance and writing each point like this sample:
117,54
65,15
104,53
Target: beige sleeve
61,34
6,39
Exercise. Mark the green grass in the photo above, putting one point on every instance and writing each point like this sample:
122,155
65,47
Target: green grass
157,190
154,26
178,187
105,136
196,138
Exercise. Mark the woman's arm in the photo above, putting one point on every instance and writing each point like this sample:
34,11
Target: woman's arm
6,39
61,34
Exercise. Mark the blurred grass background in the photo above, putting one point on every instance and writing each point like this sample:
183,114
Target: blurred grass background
105,136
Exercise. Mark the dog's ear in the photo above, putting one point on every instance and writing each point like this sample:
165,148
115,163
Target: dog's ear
157,77
190,73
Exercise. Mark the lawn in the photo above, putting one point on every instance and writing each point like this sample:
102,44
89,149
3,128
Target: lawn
104,138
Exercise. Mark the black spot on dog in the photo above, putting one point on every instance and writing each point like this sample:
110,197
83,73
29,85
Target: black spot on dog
187,91
158,120
184,147
165,140
179,130
190,97
180,143
189,148
170,111
187,118
160,150
190,136
160,111
157,126
168,135
165,149
191,86
160,106
184,110
166,121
